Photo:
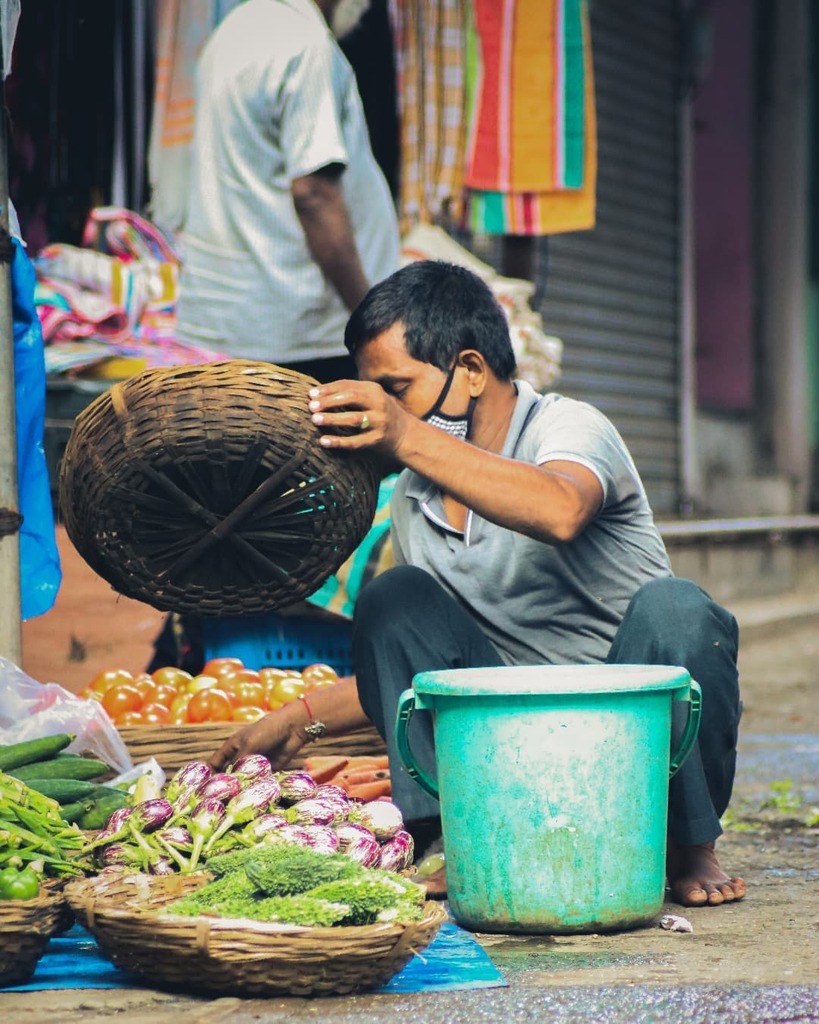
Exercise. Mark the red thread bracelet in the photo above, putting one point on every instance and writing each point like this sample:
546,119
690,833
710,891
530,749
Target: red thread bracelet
303,699
314,729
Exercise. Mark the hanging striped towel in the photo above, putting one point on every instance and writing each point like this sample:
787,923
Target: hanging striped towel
532,155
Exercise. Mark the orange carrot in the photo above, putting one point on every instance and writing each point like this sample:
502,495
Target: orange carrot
360,777
324,769
370,790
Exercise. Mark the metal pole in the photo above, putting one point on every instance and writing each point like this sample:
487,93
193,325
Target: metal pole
11,638
690,483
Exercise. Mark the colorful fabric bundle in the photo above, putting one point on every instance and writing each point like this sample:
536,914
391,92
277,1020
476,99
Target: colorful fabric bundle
119,290
67,312
532,154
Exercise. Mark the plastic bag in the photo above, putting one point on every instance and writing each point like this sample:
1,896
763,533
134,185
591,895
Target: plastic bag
40,574
30,710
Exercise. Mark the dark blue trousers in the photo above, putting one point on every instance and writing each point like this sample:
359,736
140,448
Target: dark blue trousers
406,623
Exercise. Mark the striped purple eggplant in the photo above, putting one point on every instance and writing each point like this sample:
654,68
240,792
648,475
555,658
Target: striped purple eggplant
221,785
397,853
382,817
251,766
296,786
190,775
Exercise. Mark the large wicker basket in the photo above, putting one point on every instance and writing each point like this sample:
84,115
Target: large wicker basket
203,489
25,928
125,912
175,745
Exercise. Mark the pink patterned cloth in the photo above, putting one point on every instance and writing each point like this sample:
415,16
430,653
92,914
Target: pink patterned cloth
120,288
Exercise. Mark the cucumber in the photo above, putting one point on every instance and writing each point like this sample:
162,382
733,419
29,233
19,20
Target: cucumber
71,812
62,767
96,816
64,791
15,755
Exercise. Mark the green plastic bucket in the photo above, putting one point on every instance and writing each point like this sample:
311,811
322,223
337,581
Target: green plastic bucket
553,784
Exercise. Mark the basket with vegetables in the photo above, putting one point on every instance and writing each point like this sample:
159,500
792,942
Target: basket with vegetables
30,913
73,781
278,919
38,850
264,882
202,814
175,717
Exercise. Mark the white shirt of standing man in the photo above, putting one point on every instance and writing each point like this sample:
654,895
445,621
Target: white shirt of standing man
290,219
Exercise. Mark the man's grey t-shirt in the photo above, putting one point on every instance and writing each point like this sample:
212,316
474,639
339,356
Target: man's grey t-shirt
541,603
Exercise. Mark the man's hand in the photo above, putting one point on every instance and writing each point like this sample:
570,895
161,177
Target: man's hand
280,735
277,736
367,416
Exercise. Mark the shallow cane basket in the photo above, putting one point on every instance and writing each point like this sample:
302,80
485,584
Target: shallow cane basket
125,912
203,489
25,928
174,746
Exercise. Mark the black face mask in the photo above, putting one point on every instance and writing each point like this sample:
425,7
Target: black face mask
458,426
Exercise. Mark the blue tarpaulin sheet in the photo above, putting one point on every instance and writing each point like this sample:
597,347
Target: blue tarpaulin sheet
454,960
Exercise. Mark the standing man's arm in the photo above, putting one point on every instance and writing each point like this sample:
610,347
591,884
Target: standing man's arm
322,211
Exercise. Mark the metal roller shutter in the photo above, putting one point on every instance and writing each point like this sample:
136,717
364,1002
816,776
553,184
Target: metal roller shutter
612,293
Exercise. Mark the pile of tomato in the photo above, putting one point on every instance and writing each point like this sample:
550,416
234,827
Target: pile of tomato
224,691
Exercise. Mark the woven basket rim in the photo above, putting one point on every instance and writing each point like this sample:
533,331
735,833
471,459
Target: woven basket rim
19,915
175,745
433,910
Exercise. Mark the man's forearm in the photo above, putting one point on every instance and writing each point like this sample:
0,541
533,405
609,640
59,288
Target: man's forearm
325,220
338,707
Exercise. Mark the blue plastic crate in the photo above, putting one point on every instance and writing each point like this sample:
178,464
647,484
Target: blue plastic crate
279,641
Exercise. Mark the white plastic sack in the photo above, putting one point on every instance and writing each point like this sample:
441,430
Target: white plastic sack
30,710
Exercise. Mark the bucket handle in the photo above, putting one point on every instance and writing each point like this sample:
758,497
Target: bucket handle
406,707
692,727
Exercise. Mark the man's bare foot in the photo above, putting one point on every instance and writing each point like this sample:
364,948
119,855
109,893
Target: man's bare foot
696,879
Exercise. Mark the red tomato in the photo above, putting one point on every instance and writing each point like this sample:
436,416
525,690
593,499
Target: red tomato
179,709
286,690
146,686
245,675
164,694
89,694
210,705
243,693
110,677
317,675
121,698
156,714
129,718
268,674
178,678
248,713
219,666
200,682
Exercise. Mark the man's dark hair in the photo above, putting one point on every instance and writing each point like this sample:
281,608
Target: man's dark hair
444,309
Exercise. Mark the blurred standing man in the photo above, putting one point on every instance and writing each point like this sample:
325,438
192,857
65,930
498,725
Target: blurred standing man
290,219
